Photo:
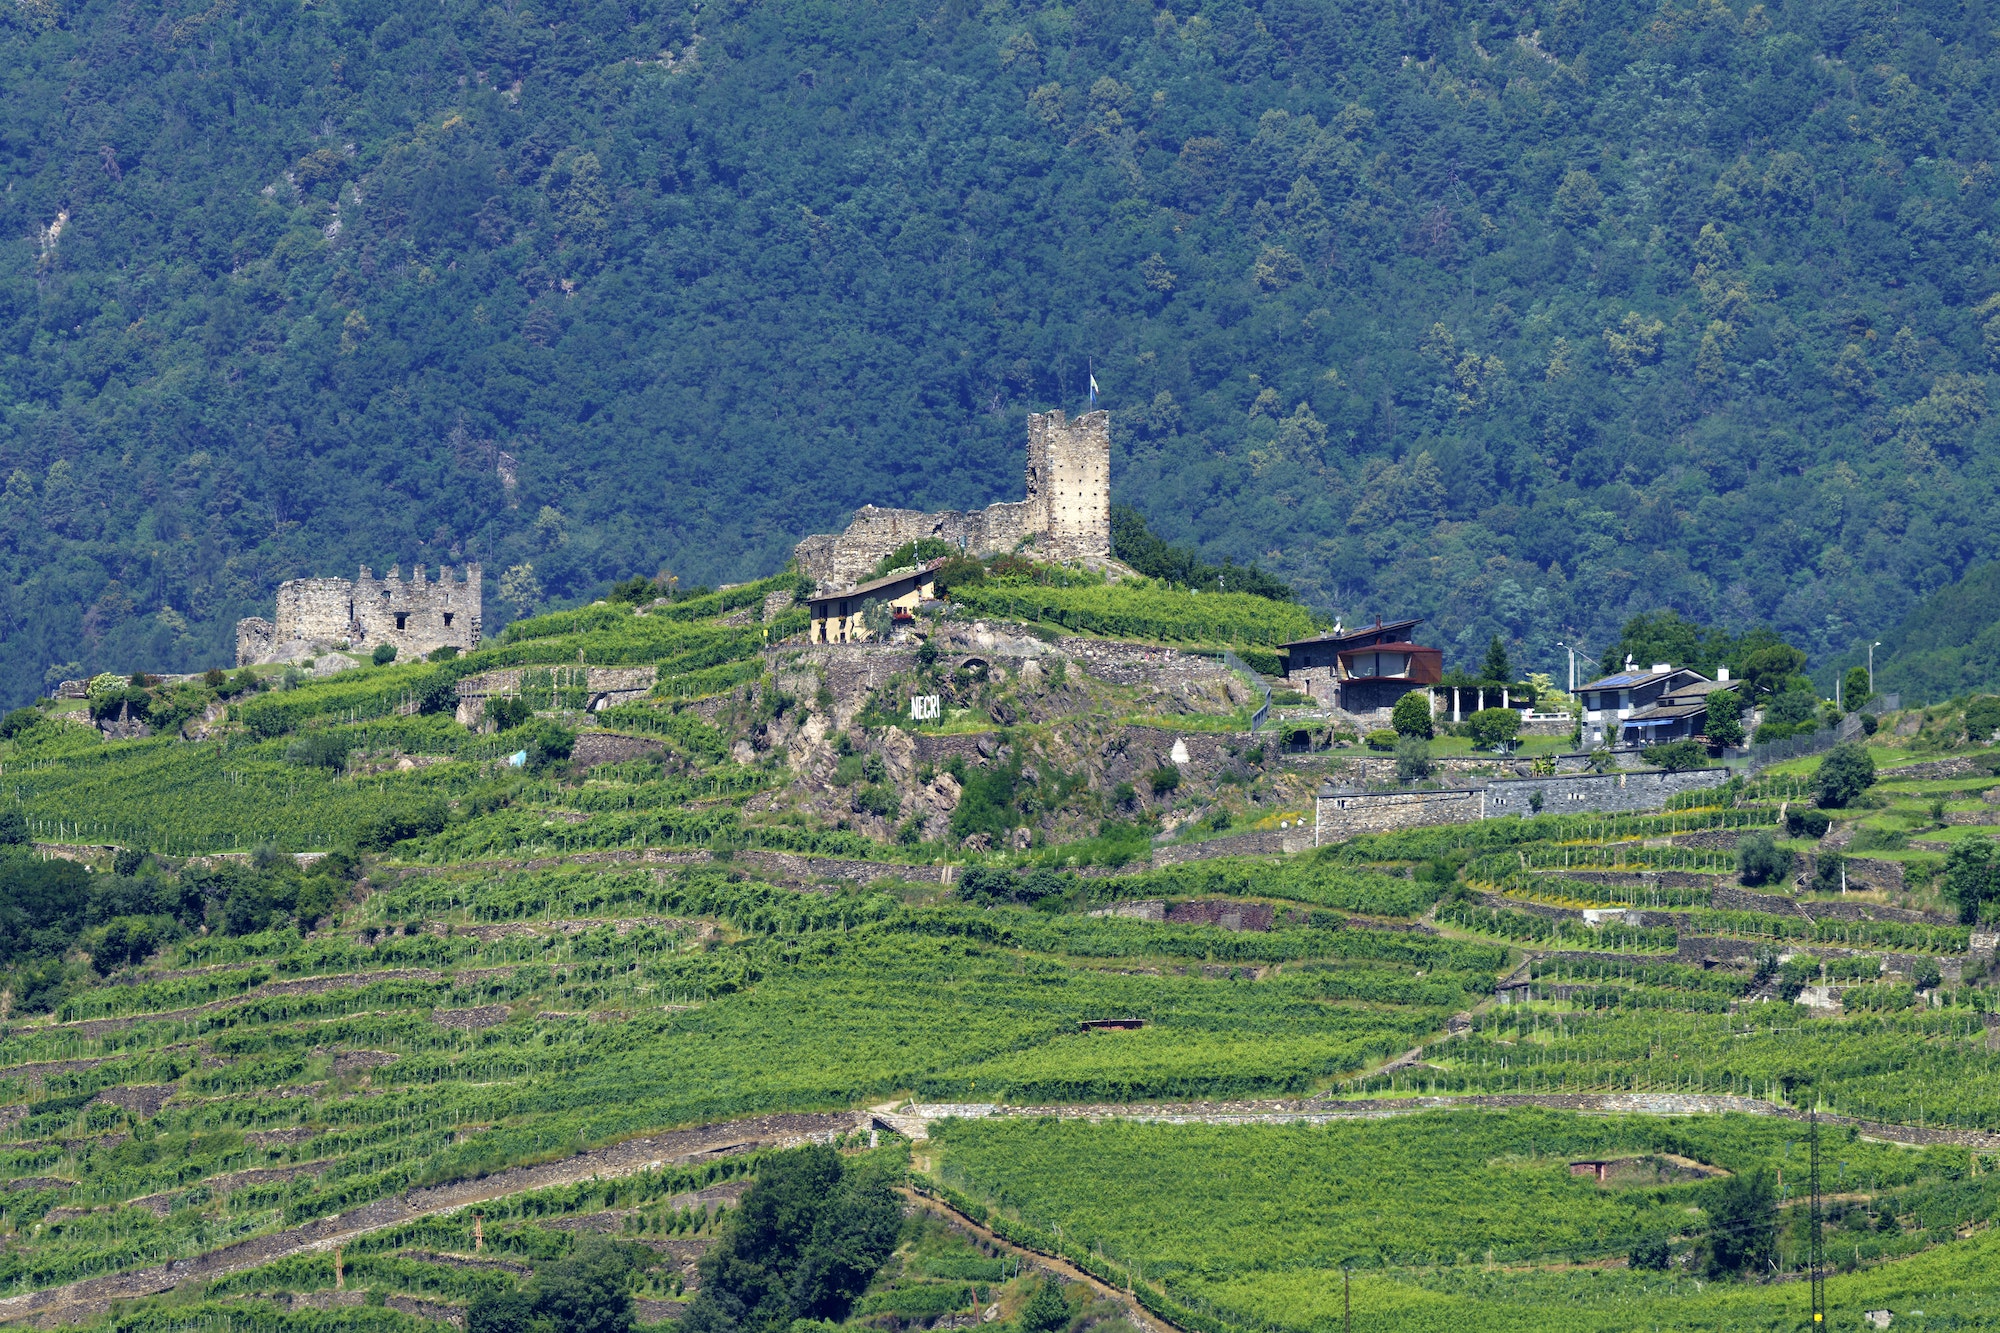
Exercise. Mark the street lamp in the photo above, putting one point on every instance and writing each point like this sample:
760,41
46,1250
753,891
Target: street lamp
1871,664
1572,665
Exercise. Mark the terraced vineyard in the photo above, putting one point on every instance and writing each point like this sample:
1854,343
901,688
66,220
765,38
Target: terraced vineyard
359,1017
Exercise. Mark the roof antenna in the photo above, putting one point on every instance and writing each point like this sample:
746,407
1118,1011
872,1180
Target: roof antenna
1336,624
1629,663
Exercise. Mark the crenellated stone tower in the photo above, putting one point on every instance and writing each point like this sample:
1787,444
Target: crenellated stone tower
416,614
1067,511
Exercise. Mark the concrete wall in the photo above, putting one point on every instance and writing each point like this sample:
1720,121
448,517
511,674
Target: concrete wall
1595,793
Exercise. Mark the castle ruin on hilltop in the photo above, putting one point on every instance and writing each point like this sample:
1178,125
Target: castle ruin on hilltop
1067,512
415,614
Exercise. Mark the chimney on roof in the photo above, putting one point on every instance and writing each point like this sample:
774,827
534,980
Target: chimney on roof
1663,666
1722,673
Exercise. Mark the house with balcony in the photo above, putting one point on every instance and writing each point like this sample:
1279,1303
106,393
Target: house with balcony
841,617
1647,706
1364,670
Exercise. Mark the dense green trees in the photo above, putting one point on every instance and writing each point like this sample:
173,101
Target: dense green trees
1520,320
1846,772
1412,715
587,1292
807,1240
1759,860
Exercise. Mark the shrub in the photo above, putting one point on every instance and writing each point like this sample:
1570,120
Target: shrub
1759,860
384,654
961,571
1494,728
1807,823
1413,759
318,749
506,714
1678,756
1982,719
1972,877
985,884
1827,872
877,799
1743,1224
383,831
1653,1253
1046,1311
1165,778
17,722
448,653
1383,740
1412,715
1846,772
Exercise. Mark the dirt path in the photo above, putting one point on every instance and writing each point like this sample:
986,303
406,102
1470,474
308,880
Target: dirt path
77,1301
914,1120
1134,1311
86,1299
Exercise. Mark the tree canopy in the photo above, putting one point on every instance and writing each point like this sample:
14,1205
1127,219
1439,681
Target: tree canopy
809,1237
1521,320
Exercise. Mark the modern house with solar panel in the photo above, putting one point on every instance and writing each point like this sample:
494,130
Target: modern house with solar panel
1364,670
1648,706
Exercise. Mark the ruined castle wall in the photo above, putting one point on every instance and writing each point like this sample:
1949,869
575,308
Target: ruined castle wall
1068,507
255,638
417,615
311,609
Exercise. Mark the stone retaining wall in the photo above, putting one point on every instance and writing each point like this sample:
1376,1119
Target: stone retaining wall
1262,842
793,868
1344,814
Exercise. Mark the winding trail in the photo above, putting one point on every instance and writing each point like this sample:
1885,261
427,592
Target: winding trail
85,1299
77,1301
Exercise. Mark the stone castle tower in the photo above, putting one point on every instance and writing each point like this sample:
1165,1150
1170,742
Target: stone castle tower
414,614
1066,515
1069,475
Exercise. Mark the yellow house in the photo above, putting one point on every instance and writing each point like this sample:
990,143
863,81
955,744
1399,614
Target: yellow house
837,616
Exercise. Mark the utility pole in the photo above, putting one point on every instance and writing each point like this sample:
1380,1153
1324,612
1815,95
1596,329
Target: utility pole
1572,665
1871,664
1816,1255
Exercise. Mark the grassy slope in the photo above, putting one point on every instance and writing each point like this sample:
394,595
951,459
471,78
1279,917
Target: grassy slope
724,996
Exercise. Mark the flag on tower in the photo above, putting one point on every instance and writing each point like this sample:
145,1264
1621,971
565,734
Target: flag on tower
1093,388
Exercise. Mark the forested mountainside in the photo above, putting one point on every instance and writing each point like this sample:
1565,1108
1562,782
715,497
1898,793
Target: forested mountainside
1516,317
